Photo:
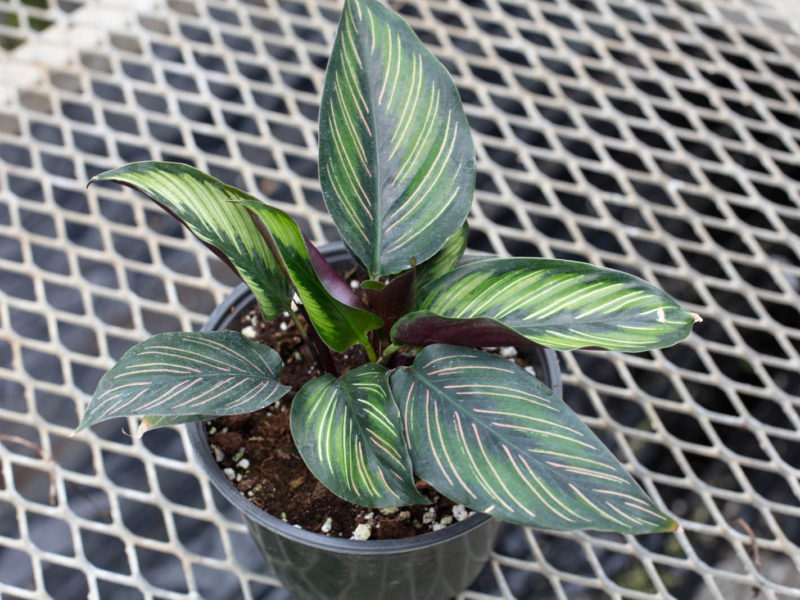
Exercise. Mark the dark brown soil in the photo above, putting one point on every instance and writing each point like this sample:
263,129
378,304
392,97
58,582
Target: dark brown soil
257,452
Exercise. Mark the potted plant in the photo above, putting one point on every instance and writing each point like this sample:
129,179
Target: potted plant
429,403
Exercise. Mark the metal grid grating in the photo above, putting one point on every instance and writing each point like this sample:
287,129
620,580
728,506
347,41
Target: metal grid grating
660,137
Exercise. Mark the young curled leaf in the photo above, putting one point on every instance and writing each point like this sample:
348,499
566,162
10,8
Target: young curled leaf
555,303
339,325
185,376
488,435
348,432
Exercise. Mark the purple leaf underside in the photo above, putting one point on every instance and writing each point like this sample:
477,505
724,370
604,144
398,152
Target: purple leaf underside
331,279
424,328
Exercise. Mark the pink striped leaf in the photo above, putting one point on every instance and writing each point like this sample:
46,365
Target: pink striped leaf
489,435
348,432
183,376
397,164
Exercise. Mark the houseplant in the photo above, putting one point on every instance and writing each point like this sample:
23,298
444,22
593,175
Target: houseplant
397,171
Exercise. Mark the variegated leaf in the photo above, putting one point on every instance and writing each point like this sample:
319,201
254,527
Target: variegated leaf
556,303
187,375
397,165
339,325
348,432
202,204
444,260
488,435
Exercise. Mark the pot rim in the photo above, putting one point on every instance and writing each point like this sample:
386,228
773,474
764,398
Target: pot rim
232,305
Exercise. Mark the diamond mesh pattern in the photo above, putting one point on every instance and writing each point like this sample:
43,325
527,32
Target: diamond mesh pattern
660,137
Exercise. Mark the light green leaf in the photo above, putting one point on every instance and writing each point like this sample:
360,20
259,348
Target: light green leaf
488,435
555,303
397,165
202,204
348,432
188,375
338,324
155,421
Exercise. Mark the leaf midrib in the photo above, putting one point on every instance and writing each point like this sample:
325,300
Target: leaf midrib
351,401
426,381
373,158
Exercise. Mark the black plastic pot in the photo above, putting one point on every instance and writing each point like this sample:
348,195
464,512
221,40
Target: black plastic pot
430,566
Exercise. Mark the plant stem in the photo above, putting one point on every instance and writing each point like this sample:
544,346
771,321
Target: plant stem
371,352
315,344
388,351
300,329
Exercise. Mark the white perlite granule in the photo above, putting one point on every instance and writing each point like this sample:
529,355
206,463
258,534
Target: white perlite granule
327,525
460,512
389,511
229,473
508,352
243,464
429,516
361,532
249,332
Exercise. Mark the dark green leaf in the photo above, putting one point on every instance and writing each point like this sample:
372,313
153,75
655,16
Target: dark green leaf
202,204
445,260
338,324
488,435
188,375
555,303
397,165
348,432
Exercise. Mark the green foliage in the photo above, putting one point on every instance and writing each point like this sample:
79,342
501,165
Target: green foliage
397,172
556,303
187,375
348,432
203,205
397,166
338,324
489,435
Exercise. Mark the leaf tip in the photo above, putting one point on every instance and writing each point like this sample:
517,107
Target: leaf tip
696,318
143,428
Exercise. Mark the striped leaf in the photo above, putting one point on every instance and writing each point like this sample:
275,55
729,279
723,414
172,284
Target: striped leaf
339,325
397,165
201,203
444,260
488,435
188,375
348,432
555,303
